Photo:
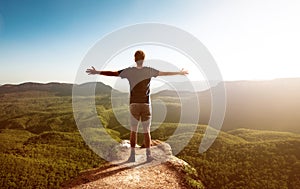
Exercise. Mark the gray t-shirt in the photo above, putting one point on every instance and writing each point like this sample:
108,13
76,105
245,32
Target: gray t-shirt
139,81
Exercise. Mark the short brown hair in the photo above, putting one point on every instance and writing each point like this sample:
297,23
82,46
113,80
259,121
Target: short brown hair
139,56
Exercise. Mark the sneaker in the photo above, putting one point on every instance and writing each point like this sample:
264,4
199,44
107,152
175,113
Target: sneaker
131,158
150,158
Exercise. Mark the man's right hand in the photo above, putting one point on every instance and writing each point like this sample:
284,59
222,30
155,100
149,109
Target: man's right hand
183,72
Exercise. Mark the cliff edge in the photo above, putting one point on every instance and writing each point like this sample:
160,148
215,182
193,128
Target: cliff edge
166,171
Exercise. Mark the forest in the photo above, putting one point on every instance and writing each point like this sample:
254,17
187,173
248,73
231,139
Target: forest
41,146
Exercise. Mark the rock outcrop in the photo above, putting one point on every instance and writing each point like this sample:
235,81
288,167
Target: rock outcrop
166,171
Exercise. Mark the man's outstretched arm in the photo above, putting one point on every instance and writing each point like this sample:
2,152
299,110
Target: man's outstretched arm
181,72
93,71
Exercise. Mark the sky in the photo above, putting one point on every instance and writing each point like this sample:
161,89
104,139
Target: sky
46,41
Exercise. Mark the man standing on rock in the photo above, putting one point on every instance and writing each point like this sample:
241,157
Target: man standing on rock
139,78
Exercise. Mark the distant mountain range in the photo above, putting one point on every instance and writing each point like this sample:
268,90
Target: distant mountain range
269,105
59,89
193,86
65,89
266,105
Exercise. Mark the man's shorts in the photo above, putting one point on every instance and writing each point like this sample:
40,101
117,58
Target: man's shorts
140,111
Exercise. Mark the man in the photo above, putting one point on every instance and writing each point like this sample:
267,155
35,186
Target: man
139,78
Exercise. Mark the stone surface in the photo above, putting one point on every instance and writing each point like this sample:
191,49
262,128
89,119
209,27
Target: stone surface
166,171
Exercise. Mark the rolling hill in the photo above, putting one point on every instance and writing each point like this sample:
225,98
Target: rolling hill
265,105
41,147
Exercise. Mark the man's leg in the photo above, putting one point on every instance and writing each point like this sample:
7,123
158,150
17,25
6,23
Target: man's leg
146,122
133,139
134,127
132,144
147,137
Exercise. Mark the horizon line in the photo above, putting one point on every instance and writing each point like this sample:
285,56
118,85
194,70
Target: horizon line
66,82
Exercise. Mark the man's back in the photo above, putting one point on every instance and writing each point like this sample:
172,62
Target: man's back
139,81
